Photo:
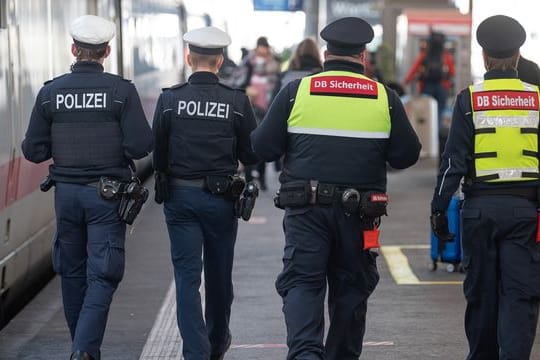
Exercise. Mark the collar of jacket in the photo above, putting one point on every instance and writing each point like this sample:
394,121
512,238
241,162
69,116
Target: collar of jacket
499,74
203,77
342,65
87,66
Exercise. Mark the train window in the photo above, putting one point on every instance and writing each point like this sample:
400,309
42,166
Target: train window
3,14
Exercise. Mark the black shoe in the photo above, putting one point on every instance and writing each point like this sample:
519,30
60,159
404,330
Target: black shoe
80,355
222,355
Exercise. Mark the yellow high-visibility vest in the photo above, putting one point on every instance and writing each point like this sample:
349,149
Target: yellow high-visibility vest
339,103
505,116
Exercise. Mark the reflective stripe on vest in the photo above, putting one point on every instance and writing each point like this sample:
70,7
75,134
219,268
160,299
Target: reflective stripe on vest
324,105
505,117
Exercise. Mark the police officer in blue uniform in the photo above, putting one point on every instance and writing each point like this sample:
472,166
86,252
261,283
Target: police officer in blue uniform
337,129
92,125
201,130
493,147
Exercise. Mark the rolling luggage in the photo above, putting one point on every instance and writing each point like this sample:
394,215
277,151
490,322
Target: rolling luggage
449,252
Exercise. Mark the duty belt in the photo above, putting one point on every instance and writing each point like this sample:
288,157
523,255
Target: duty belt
529,193
198,183
350,198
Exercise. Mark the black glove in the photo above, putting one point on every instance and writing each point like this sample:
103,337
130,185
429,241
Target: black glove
439,224
161,186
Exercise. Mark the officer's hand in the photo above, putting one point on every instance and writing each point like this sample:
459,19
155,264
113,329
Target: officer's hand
439,224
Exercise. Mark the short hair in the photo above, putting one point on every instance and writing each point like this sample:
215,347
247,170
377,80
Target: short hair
83,53
504,64
263,41
204,60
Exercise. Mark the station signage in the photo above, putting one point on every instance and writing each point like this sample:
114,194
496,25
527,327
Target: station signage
278,5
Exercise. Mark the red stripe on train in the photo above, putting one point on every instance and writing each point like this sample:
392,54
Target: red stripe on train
18,178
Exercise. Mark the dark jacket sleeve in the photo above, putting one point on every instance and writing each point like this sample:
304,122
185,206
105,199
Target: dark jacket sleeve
270,138
245,123
459,146
161,137
403,146
36,145
137,135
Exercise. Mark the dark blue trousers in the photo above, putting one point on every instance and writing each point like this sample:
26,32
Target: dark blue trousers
202,229
323,245
502,283
88,254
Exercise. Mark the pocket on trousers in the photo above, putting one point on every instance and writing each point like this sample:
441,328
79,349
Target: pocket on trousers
114,262
284,280
56,256
468,218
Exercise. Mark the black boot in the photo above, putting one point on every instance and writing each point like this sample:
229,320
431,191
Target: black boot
80,355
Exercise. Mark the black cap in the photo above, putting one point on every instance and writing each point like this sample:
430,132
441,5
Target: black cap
347,36
500,36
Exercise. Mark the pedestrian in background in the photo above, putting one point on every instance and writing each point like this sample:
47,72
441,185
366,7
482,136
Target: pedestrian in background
493,148
337,130
92,125
201,130
434,70
306,60
262,69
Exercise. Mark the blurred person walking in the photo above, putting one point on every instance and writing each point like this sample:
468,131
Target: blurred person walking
306,60
434,70
262,70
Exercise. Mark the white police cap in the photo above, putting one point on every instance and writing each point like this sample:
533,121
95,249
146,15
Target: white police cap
90,31
207,40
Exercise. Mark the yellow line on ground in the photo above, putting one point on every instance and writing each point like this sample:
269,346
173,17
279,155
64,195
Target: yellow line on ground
400,269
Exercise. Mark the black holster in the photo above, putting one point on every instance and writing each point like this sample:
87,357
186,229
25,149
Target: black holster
246,203
47,184
133,198
161,187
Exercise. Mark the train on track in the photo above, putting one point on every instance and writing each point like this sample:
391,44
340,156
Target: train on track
35,47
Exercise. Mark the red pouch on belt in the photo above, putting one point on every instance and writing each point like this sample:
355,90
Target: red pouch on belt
371,239
538,227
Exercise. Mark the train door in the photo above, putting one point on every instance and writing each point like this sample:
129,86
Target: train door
8,113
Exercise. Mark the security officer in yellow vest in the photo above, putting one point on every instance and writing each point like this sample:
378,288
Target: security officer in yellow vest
337,130
92,125
201,130
493,146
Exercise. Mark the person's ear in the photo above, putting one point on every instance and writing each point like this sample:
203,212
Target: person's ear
107,51
219,62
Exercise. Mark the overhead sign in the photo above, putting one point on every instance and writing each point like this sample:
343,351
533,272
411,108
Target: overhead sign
365,9
278,5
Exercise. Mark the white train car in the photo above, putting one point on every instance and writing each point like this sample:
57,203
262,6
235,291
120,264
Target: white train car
35,47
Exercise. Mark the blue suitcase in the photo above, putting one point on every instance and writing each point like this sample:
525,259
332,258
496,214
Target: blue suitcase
451,252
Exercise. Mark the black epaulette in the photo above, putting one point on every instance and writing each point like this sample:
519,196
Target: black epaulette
54,78
232,88
177,86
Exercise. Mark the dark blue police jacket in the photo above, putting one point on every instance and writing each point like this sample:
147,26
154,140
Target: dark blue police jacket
90,122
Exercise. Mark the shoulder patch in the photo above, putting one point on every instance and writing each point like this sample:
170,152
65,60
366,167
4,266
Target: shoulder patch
178,86
55,78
